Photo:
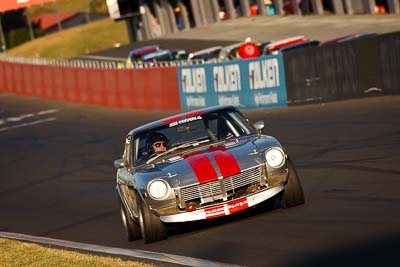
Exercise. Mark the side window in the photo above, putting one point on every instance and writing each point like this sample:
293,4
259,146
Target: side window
141,153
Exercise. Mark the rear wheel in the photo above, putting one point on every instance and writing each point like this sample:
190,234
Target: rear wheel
132,229
293,194
151,227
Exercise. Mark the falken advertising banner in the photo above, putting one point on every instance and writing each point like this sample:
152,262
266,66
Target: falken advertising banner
247,84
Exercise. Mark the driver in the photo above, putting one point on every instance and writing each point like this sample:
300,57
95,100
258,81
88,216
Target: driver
157,143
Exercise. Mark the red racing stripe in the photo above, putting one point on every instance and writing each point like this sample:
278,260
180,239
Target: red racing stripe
172,119
226,162
201,166
194,113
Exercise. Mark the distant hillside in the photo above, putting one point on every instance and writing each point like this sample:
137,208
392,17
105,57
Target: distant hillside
66,6
88,38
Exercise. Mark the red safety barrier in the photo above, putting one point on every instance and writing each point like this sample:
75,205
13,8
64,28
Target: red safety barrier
59,84
110,82
147,88
19,77
70,85
28,78
2,77
8,74
38,81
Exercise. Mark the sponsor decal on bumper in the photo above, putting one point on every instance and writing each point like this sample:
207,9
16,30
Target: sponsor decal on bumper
227,208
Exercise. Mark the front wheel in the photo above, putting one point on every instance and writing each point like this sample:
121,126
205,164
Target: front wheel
151,227
293,194
132,229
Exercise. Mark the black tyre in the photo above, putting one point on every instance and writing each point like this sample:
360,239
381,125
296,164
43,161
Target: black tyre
293,194
151,227
132,228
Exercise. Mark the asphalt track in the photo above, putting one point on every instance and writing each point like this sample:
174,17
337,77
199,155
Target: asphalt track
57,181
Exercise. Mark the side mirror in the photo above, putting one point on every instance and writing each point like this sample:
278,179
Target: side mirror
119,163
259,125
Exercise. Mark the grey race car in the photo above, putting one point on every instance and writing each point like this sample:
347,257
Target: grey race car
214,163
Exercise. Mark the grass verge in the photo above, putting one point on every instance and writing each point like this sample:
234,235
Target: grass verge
73,42
16,253
99,6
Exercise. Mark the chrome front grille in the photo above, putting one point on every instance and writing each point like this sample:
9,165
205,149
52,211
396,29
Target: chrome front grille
216,190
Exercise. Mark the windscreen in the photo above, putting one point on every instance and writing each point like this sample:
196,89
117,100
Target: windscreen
206,128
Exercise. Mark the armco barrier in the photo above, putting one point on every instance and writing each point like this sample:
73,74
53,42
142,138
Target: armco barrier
343,70
147,88
255,83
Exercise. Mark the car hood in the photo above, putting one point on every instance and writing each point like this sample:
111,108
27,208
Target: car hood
218,160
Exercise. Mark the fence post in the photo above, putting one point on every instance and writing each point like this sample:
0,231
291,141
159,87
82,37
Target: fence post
203,15
296,7
337,7
348,7
317,7
245,8
369,6
184,16
260,7
147,32
230,8
196,12
215,10
393,6
278,4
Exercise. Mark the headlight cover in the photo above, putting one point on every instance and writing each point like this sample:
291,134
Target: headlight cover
275,157
158,189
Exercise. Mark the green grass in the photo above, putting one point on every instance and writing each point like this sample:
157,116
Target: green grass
16,253
73,42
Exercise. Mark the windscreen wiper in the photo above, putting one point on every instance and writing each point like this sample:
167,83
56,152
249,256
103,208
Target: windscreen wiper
180,146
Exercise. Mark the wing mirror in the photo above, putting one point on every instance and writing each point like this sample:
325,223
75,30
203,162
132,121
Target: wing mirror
259,125
119,163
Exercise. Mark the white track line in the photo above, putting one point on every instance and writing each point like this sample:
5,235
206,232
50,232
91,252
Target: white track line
49,111
27,124
29,115
163,257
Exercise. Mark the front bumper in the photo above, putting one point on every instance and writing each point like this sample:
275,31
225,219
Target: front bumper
224,209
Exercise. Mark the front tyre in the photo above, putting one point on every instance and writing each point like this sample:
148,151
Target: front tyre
293,194
132,229
151,227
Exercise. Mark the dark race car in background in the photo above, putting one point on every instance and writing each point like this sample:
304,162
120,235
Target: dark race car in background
216,164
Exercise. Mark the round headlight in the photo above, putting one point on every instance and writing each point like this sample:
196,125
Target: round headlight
275,157
158,189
